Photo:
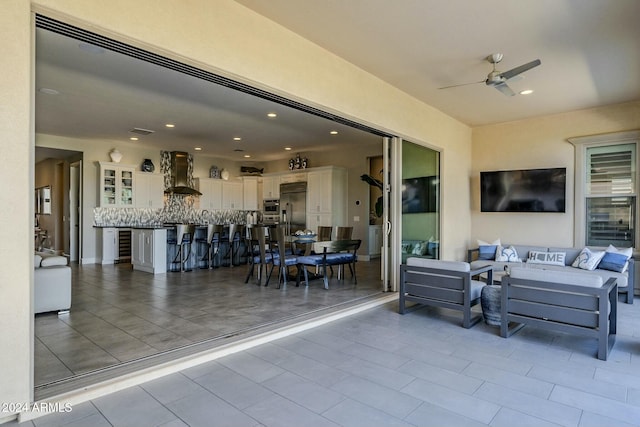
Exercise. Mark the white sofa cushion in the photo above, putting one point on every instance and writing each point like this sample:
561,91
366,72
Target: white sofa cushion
555,276
37,259
49,261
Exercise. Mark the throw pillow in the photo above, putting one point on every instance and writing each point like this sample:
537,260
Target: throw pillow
616,259
487,251
588,260
406,248
507,254
552,258
419,248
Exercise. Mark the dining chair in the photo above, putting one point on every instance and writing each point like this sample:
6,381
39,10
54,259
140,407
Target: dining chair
281,257
324,233
259,253
344,233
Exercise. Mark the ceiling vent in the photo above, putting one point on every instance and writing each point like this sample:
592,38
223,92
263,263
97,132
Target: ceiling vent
141,131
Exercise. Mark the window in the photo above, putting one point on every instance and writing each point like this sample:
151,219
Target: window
610,196
606,185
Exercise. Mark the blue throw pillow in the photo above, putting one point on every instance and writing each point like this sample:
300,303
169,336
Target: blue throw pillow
615,259
487,251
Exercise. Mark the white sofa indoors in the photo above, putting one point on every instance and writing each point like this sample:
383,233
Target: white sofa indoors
52,284
606,263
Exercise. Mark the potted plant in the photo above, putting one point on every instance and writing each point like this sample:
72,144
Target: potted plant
374,182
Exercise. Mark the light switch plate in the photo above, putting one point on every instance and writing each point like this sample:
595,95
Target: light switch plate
356,219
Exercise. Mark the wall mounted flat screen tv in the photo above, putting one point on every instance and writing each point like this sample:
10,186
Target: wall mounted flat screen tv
420,194
530,190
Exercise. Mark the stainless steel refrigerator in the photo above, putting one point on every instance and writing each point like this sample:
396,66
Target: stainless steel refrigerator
293,206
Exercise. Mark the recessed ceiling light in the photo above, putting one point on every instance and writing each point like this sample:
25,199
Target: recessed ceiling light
272,115
170,125
49,91
246,156
287,148
526,92
134,138
198,148
237,138
334,132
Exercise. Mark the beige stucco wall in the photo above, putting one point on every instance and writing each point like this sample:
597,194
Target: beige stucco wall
219,36
538,143
16,232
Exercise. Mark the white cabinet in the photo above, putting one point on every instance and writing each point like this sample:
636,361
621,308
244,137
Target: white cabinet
108,241
271,187
375,239
232,195
293,177
149,250
211,190
149,190
326,197
250,193
116,185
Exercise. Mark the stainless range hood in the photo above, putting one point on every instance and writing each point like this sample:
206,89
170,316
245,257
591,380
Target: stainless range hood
180,175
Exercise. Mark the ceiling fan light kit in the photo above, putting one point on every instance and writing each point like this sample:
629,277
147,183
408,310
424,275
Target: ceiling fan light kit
498,79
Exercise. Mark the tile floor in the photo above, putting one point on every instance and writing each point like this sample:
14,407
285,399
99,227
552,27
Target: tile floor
119,315
379,368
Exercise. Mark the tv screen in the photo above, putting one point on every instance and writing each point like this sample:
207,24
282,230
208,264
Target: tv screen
530,190
420,194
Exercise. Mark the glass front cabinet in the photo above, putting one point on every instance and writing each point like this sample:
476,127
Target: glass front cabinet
116,185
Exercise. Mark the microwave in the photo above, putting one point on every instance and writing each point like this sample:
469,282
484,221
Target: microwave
271,207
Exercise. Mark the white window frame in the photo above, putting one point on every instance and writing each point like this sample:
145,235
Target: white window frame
581,144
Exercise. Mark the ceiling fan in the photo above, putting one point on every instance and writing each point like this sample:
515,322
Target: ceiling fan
498,79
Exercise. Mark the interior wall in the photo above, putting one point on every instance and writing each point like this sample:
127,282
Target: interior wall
538,143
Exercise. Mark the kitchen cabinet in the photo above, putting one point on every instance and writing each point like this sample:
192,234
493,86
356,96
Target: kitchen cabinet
108,238
149,250
293,177
211,190
271,187
116,185
149,190
326,197
232,195
250,193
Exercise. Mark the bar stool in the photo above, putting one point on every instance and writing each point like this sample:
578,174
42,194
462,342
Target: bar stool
212,242
184,237
235,238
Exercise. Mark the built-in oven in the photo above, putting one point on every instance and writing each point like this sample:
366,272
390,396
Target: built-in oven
271,211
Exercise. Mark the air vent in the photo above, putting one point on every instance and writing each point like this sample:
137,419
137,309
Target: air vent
141,131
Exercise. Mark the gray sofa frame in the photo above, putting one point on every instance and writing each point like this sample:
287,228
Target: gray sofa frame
440,288
583,310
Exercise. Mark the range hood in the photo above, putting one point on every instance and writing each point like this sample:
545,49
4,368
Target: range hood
180,175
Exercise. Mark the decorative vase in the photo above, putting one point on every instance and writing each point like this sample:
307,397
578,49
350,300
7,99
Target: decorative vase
147,166
115,155
491,306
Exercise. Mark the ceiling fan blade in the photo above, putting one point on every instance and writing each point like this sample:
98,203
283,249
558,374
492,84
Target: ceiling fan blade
521,69
462,84
502,87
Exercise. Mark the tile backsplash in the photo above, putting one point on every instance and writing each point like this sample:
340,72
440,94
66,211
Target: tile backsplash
177,209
